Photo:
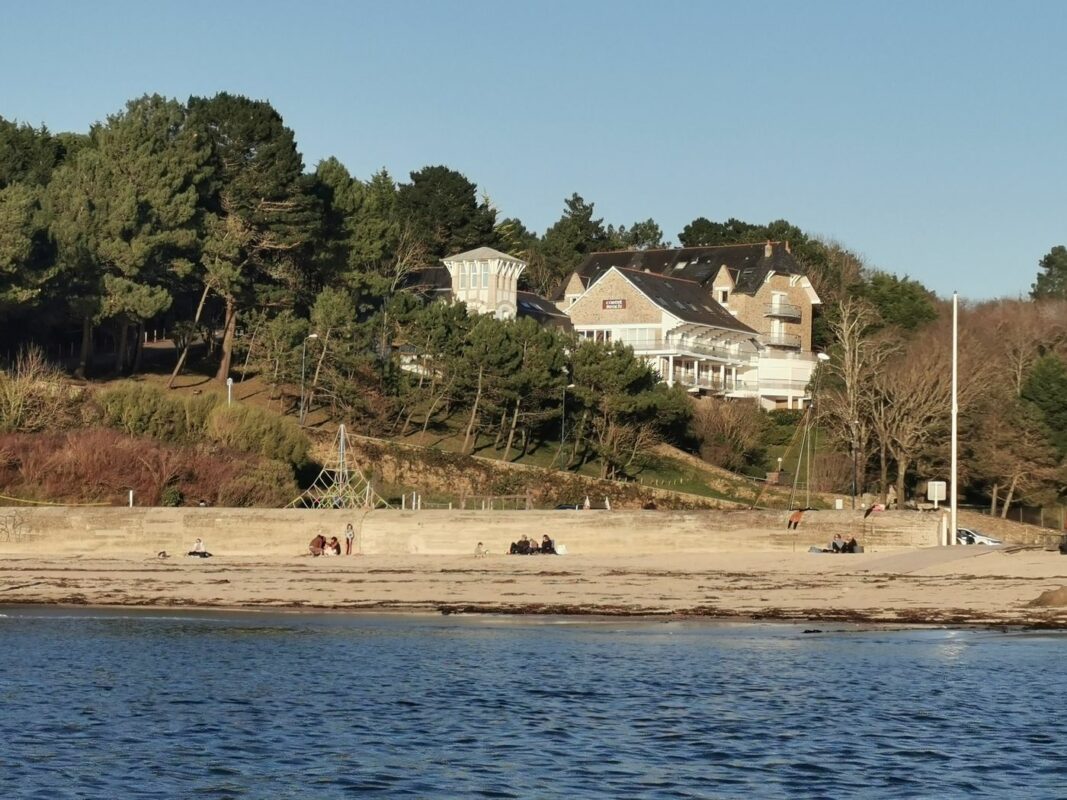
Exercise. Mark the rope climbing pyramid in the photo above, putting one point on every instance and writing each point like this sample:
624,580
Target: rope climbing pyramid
340,484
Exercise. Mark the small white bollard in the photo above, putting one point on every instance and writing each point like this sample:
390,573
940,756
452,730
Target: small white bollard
131,498
229,391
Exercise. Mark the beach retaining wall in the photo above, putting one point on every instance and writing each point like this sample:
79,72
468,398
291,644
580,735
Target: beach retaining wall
285,532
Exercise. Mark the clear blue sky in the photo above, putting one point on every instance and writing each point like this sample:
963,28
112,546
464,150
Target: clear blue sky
928,136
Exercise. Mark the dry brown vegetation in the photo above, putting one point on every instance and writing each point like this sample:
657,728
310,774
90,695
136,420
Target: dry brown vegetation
101,466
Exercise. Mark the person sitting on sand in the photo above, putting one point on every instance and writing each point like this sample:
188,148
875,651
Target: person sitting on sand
199,550
480,551
334,547
318,545
548,547
838,544
850,545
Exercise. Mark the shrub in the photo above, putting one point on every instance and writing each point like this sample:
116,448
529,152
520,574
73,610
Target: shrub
197,409
267,484
171,496
253,430
730,432
34,396
144,410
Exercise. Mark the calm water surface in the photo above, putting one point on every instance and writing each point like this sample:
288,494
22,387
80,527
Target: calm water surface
98,704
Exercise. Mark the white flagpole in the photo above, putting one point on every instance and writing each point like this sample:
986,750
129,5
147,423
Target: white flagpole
955,413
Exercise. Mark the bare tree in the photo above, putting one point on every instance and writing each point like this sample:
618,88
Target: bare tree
860,353
728,430
916,394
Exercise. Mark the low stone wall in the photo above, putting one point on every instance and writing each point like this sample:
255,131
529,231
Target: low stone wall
285,532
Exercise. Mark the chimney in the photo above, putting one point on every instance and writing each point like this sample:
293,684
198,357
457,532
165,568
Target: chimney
787,247
767,249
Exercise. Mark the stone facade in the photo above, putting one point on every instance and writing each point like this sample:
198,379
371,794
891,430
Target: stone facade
596,308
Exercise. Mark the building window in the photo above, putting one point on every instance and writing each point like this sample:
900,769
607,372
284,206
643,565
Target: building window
724,296
462,276
485,275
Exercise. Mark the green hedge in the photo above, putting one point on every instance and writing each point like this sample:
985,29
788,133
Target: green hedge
253,430
147,410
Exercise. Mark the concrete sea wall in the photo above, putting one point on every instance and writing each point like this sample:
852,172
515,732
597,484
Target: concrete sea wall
286,532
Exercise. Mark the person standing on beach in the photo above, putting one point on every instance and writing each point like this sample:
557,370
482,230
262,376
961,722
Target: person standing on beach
350,536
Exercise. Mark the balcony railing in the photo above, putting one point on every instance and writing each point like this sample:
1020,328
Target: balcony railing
782,311
691,349
715,384
791,340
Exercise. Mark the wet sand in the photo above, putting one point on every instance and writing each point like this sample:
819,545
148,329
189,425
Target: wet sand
934,585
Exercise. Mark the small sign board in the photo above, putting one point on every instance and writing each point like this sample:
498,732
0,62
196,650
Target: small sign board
936,491
614,304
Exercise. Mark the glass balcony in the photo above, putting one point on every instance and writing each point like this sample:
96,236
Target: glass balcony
779,339
782,311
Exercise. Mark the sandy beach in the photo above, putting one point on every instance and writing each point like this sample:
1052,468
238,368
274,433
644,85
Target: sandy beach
955,586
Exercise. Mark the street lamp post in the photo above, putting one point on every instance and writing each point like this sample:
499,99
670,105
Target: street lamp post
855,463
563,418
303,372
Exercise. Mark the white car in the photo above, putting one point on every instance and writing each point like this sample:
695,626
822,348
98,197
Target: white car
968,536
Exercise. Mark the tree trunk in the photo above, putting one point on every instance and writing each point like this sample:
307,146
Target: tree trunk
86,348
185,350
1008,497
993,500
138,353
248,355
433,405
579,430
500,428
902,471
883,474
120,354
474,413
228,335
511,433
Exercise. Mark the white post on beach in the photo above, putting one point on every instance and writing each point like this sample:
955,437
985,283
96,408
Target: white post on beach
955,412
131,498
229,391
404,502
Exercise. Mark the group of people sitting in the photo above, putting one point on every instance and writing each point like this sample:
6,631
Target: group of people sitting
321,547
839,545
529,547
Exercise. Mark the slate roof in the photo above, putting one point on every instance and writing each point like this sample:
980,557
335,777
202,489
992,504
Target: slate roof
685,299
748,263
482,254
535,305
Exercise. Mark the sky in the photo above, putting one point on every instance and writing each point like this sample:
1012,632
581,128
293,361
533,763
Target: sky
929,137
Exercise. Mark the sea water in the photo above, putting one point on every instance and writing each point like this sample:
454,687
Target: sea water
181,705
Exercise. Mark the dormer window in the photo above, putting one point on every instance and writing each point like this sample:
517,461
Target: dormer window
724,296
